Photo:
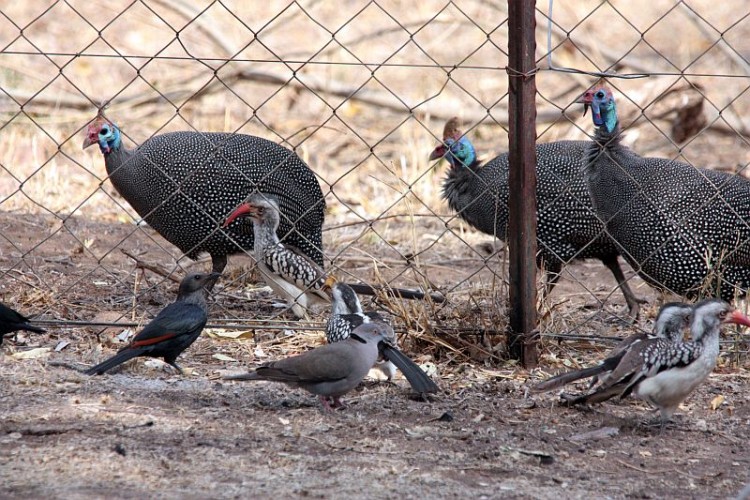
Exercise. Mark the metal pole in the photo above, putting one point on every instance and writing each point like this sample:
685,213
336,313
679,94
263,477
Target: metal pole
522,339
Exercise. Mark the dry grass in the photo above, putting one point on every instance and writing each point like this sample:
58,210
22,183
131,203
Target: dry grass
370,152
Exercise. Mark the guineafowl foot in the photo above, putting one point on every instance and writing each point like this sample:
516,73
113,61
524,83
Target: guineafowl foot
633,302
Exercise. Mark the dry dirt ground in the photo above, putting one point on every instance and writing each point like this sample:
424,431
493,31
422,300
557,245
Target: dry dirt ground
144,432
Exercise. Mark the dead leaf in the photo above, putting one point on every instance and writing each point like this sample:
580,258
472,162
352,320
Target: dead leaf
429,368
717,401
644,453
498,374
228,334
32,353
601,433
61,345
223,357
123,335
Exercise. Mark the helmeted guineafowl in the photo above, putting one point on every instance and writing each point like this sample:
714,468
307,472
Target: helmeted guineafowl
567,228
681,228
184,184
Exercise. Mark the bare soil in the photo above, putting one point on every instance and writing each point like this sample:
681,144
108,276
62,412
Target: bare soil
139,434
144,432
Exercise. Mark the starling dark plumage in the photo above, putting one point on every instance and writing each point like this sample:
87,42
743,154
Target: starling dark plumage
173,330
13,321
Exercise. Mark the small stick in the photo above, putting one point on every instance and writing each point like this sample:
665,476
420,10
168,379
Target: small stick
151,267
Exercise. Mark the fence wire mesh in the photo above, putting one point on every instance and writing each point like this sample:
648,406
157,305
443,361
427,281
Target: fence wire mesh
361,92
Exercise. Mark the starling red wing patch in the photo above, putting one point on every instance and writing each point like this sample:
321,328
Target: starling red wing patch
153,340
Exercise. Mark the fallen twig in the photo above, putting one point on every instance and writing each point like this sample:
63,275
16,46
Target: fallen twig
152,267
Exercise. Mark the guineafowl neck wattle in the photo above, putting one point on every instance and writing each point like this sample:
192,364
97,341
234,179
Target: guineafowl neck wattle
184,184
460,185
566,226
122,168
682,228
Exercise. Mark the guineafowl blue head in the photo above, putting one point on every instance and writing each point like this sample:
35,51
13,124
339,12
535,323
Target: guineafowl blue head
105,133
603,109
456,147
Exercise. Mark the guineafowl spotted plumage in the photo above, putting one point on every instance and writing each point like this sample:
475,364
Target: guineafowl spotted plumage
185,183
567,228
681,228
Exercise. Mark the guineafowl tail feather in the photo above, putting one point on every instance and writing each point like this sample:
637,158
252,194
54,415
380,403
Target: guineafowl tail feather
115,360
568,377
418,379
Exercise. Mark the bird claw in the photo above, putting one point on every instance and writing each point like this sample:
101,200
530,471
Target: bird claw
334,403
660,422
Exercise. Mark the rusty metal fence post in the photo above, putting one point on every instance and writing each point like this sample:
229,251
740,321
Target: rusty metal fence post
522,344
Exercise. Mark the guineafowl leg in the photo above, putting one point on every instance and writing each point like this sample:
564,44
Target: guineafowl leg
552,274
218,263
630,298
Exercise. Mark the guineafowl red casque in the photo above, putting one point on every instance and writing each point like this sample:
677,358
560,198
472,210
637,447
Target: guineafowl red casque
567,228
682,228
185,183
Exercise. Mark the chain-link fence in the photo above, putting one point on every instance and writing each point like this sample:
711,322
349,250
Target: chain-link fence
361,92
